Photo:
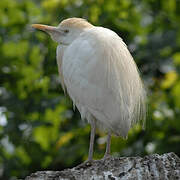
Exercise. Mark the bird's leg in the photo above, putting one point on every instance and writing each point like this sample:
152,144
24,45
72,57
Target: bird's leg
88,162
91,145
108,146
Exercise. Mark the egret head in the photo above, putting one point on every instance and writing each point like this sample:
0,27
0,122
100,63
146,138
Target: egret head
67,31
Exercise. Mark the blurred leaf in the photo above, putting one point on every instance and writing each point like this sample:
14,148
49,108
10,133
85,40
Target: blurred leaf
170,79
64,139
176,58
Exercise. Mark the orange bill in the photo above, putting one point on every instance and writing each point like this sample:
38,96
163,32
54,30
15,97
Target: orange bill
43,27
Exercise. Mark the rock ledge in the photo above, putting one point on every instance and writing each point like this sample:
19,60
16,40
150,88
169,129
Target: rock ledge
161,167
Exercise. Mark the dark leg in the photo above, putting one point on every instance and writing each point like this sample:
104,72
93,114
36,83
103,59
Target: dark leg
91,145
108,145
88,162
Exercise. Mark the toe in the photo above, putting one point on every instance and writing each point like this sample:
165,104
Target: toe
85,164
107,156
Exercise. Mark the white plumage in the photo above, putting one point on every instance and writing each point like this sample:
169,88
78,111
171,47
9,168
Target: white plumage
100,75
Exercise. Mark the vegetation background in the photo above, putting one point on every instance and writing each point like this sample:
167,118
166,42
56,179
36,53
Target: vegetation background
38,128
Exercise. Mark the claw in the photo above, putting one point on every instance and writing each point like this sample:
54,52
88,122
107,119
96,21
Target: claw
85,164
107,156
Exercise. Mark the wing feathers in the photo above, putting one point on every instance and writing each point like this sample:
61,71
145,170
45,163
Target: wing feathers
102,78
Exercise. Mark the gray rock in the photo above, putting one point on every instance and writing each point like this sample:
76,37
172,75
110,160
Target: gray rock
151,167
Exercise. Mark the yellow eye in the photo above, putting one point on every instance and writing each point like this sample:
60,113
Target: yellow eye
66,30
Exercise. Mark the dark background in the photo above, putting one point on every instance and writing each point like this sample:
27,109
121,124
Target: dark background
38,128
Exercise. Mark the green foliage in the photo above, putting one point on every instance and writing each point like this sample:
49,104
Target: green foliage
38,129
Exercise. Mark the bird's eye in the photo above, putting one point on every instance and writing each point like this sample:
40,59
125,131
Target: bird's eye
66,30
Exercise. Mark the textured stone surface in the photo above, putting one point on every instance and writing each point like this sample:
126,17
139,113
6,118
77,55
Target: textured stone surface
161,167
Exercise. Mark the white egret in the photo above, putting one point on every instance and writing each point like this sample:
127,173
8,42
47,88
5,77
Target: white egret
100,76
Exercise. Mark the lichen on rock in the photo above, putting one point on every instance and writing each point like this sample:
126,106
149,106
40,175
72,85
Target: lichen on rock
161,167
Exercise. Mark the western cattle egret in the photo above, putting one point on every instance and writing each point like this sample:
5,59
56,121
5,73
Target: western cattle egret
100,76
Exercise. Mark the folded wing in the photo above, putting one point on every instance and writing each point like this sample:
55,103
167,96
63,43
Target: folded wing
102,79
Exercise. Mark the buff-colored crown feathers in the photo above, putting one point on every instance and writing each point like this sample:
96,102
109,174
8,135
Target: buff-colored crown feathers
76,23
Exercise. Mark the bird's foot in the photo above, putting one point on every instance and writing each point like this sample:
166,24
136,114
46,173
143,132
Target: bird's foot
106,156
85,164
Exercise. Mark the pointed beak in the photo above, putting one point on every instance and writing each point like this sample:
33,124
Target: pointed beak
45,28
53,31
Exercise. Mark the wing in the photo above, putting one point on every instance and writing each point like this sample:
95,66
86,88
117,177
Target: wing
102,79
